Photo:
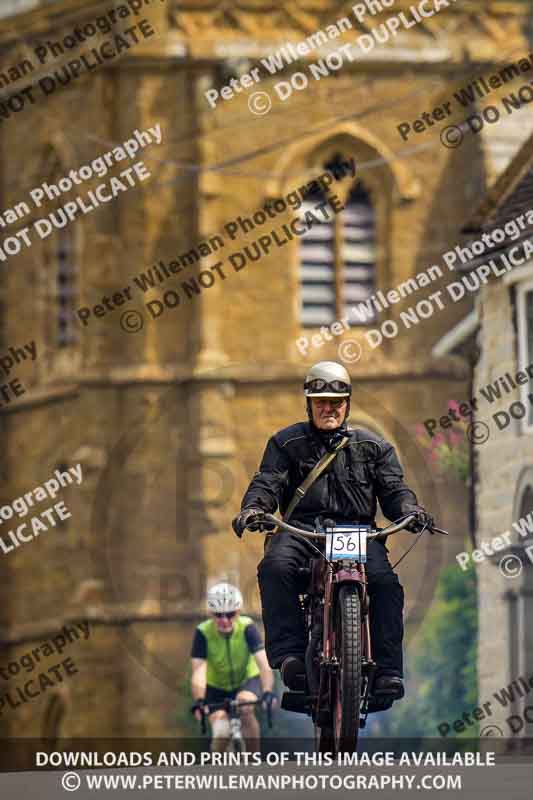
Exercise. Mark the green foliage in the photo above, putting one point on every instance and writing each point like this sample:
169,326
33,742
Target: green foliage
442,674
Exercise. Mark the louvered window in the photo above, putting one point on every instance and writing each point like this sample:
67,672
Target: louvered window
317,268
337,261
67,330
358,254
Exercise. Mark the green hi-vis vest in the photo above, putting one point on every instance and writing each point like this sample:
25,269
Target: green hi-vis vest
229,661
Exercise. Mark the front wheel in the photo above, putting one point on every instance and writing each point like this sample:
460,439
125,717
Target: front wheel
347,682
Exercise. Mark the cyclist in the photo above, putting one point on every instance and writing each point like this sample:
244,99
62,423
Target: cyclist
229,661
346,492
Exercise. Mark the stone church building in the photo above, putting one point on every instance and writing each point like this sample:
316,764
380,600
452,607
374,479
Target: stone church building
168,410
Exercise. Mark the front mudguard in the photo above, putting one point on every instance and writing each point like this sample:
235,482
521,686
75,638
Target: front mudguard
351,575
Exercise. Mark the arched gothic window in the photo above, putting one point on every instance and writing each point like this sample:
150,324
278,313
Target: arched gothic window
338,260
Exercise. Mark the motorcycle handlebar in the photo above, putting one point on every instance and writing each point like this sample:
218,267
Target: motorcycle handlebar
391,529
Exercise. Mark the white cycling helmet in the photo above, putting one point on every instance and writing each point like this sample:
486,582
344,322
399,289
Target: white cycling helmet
223,597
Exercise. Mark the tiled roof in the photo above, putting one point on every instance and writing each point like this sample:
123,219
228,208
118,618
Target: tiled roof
510,196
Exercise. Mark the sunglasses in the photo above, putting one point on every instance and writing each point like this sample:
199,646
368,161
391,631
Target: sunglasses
319,385
228,614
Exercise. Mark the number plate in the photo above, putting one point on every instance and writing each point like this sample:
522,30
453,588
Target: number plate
347,541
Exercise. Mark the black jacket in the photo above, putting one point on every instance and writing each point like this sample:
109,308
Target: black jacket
346,491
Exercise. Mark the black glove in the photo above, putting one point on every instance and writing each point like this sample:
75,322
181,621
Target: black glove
422,518
198,705
268,698
240,523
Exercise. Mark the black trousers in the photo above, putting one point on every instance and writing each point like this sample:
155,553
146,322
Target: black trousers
280,583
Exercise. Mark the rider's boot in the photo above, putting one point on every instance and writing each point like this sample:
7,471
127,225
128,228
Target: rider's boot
292,672
391,685
387,689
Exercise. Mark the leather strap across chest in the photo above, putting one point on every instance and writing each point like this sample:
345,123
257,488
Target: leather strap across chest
315,473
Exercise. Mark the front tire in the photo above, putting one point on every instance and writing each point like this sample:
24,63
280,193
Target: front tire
347,684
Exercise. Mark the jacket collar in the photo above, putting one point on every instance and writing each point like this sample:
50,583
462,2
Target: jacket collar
330,439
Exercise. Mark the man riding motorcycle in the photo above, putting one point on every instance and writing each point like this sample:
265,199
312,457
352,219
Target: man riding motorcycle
346,491
229,661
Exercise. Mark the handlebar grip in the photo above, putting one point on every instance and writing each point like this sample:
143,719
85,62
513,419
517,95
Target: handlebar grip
269,714
203,723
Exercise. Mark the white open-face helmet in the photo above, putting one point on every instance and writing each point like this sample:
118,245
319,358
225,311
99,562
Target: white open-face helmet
327,379
223,597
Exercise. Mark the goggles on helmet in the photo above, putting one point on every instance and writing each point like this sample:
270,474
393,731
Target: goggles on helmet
320,385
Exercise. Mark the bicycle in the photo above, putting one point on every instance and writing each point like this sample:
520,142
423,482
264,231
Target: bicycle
231,707
340,671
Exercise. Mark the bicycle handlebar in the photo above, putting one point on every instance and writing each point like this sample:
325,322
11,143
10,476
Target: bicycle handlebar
225,704
235,703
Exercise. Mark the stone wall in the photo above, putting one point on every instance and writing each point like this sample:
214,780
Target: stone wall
169,423
504,602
